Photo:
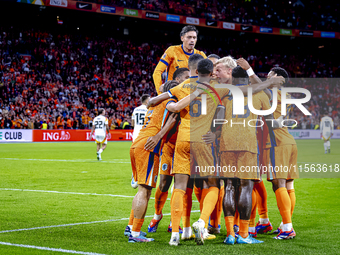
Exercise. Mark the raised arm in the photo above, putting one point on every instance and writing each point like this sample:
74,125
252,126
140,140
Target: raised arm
245,65
162,65
263,85
158,99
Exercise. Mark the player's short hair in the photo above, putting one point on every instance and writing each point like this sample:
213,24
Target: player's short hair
281,72
101,110
169,85
240,76
228,62
214,56
193,61
205,66
144,98
187,29
179,72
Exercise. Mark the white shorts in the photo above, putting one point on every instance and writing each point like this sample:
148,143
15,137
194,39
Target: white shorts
101,138
326,135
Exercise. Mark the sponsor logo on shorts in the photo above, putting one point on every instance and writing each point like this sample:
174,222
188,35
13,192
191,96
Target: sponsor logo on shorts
164,167
108,9
173,18
152,15
84,6
227,25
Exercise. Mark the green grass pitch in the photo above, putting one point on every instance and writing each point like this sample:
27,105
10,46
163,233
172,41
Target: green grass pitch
99,194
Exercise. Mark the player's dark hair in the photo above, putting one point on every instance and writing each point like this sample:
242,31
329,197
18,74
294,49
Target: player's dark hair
144,98
213,56
281,72
179,72
101,110
169,85
205,66
239,72
193,61
187,29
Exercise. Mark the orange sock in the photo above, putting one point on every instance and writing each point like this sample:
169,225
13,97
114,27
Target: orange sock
160,199
237,218
137,224
198,193
292,197
204,193
215,217
176,208
229,223
209,203
131,218
261,197
244,225
187,205
253,209
284,204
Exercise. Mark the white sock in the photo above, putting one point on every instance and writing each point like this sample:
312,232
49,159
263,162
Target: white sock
251,229
287,227
264,221
135,234
186,232
130,226
281,224
170,224
325,146
157,217
329,144
100,151
175,235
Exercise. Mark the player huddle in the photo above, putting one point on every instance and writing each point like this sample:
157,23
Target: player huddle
181,139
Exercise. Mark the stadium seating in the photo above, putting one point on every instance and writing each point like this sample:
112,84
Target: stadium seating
72,76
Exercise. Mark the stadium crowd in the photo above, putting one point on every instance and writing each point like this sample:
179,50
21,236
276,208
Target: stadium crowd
310,15
64,79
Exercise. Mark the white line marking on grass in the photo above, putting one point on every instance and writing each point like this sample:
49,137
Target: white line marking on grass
117,161
80,223
50,249
74,193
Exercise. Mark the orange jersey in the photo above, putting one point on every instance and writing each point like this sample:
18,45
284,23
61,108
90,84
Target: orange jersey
242,136
173,58
152,125
179,92
280,136
200,122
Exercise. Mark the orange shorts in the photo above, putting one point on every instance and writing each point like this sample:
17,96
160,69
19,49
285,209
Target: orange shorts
239,164
181,164
281,162
144,166
167,158
203,159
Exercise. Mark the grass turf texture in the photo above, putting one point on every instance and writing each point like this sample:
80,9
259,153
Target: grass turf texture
315,217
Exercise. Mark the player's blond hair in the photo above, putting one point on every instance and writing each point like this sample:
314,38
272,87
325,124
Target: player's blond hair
228,62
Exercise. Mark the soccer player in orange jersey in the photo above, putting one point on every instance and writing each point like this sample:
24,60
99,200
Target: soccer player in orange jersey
282,153
177,56
166,158
144,153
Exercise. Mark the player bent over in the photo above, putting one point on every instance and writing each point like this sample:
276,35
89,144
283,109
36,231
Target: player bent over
100,126
144,154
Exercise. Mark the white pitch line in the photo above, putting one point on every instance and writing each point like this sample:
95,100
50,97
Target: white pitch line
80,223
75,193
118,161
50,249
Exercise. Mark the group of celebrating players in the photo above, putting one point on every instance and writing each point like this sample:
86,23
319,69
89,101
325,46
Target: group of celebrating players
181,139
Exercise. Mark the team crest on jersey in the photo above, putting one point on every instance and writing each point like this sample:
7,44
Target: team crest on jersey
164,167
164,55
